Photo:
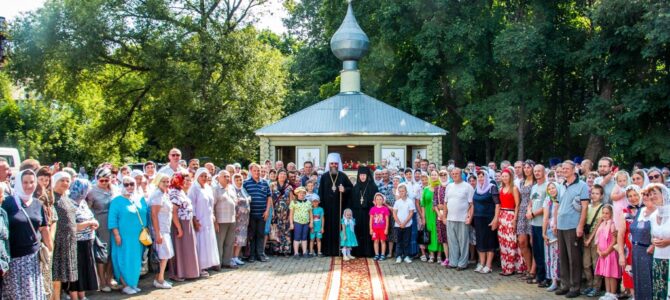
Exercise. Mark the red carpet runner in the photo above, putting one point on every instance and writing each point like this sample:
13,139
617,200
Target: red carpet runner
355,279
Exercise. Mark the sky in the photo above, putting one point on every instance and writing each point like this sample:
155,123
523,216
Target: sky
269,16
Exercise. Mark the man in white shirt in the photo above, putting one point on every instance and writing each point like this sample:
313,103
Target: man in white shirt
173,156
459,216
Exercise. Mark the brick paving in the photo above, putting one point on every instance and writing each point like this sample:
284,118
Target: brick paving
286,278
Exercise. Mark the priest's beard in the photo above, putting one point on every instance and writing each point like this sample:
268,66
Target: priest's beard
333,171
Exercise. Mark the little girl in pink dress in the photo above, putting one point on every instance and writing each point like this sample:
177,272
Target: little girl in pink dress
607,265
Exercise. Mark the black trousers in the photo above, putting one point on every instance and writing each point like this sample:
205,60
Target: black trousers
403,234
570,259
257,243
538,253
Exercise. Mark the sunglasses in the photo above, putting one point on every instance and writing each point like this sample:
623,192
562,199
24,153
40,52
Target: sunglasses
103,180
652,177
175,155
127,184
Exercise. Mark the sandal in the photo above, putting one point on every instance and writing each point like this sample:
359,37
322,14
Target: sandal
506,274
423,258
531,281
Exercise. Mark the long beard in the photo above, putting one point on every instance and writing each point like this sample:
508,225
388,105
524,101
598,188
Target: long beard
333,171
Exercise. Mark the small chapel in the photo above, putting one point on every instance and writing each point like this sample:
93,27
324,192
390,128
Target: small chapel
362,129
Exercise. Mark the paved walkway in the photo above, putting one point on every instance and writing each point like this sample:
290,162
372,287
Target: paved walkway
287,278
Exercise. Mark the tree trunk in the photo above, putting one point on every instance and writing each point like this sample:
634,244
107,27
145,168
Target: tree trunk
596,143
521,130
487,146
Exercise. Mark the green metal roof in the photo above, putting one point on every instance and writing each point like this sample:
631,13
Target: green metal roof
350,114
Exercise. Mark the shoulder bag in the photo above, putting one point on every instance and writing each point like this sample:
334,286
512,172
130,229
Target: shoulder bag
145,237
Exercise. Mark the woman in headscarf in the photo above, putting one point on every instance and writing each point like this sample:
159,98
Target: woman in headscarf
98,199
184,263
485,220
430,217
127,218
202,197
142,183
65,244
282,197
360,202
660,239
642,249
242,210
392,237
45,195
640,178
162,218
86,225
28,227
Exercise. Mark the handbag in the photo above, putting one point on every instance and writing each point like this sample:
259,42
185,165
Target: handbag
44,251
145,237
273,233
100,251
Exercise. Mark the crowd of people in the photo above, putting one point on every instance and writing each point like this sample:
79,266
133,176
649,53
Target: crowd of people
566,227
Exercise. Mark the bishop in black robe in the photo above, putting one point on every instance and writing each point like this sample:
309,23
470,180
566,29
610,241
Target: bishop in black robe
334,190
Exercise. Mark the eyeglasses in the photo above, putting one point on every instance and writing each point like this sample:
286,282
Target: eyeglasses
127,184
652,177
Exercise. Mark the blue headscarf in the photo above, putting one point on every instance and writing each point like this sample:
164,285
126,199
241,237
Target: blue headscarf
79,189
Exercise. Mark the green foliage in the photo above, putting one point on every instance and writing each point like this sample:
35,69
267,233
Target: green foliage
146,76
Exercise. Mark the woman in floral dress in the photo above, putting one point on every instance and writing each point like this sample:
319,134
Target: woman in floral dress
242,210
282,196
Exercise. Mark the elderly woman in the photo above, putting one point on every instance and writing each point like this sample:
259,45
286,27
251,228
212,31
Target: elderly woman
28,227
184,264
660,239
656,176
485,220
642,250
65,244
162,218
202,197
225,200
440,208
127,219
86,225
242,210
430,217
98,199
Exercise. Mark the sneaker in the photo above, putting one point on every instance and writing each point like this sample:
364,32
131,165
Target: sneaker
345,258
296,256
129,291
479,268
137,289
424,258
238,261
204,273
431,260
106,289
445,263
586,291
163,285
398,260
408,260
485,270
382,258
351,257
376,258
264,259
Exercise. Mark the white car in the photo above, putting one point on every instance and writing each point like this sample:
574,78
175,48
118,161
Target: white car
12,157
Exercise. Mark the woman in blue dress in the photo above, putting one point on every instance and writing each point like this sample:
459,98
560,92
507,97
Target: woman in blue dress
125,213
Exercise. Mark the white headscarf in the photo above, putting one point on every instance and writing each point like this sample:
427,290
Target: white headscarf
58,176
334,157
199,172
19,193
136,173
124,192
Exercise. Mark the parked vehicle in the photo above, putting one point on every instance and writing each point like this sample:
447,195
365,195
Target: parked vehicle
12,157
